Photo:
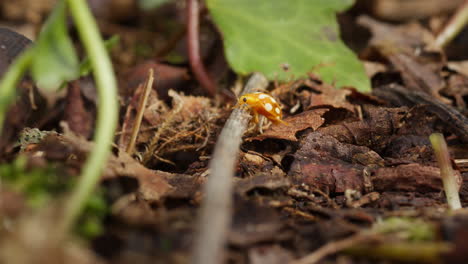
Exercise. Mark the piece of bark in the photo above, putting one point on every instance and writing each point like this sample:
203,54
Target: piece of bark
373,131
331,166
410,178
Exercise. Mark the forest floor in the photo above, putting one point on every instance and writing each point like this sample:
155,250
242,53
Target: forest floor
352,178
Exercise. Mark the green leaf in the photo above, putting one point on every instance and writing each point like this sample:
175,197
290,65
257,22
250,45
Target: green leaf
302,35
55,60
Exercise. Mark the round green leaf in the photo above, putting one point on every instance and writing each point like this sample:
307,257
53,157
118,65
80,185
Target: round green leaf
287,39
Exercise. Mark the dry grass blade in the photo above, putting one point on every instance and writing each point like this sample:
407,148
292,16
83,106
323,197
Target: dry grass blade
214,216
141,109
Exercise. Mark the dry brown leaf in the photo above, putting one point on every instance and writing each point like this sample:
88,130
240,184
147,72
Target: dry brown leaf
309,119
72,151
329,96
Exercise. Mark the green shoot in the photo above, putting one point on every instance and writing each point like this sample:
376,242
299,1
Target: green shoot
107,111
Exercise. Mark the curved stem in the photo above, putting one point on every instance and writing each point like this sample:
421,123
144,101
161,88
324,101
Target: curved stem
193,46
106,117
9,81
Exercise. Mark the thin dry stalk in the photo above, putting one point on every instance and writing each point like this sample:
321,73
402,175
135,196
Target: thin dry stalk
215,212
446,171
141,109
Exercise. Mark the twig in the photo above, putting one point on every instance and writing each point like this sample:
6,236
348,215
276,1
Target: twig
141,109
193,46
214,217
334,247
296,212
456,23
446,171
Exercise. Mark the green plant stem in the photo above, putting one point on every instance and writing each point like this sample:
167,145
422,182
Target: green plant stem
106,117
446,170
9,81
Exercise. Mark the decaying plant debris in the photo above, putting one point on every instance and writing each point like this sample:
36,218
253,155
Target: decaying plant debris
352,178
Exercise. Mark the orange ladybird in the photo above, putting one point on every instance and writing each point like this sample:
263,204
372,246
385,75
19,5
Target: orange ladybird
263,104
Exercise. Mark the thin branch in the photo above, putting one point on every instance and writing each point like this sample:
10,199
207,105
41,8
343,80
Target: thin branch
456,23
141,109
193,46
215,212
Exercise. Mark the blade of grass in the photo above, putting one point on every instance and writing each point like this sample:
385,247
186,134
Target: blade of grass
141,109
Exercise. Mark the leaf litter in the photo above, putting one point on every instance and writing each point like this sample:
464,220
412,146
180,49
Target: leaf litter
348,162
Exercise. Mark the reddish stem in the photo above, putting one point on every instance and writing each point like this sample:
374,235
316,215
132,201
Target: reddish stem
193,46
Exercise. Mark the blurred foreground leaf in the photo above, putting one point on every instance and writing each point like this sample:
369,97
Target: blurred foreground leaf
55,60
270,36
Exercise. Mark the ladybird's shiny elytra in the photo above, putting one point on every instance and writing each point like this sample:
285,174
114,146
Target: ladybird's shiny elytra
262,104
